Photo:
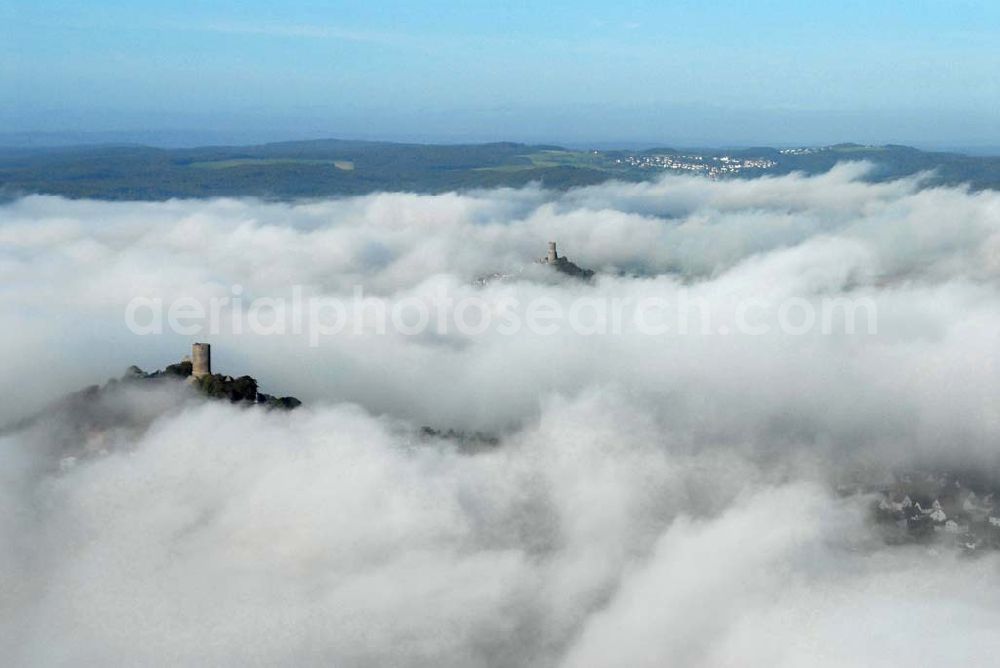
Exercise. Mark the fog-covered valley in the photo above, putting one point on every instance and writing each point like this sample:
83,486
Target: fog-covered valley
702,495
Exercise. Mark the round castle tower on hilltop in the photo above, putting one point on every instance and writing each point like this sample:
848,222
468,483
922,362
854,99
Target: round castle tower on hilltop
563,264
201,360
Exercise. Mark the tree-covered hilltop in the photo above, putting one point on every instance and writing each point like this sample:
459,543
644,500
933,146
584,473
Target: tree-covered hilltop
213,385
332,167
96,418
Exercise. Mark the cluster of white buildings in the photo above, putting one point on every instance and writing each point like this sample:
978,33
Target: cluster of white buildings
799,151
973,520
809,150
714,167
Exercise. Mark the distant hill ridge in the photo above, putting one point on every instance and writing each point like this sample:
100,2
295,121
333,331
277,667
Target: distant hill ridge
333,167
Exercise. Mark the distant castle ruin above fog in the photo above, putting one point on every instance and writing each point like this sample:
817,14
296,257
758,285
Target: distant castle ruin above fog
551,259
563,264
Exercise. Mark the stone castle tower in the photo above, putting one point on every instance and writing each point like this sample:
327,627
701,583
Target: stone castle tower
563,264
201,360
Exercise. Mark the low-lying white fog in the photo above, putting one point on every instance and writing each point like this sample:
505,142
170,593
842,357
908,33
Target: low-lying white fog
678,498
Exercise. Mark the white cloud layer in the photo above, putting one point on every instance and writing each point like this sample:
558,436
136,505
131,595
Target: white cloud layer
654,500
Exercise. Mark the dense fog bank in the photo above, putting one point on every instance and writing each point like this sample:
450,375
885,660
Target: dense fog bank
686,498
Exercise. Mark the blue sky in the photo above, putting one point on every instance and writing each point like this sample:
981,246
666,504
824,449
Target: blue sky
925,72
